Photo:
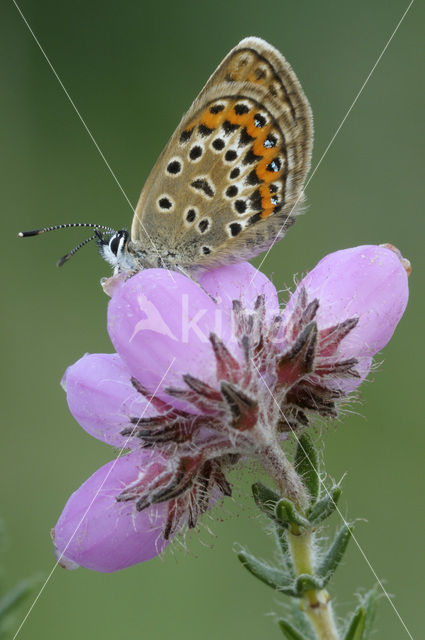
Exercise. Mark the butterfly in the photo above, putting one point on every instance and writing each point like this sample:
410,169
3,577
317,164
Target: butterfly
229,182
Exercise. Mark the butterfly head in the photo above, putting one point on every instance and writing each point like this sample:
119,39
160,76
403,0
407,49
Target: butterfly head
115,250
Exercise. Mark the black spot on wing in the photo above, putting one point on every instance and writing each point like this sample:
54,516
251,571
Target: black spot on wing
275,165
230,155
252,178
229,127
235,228
216,108
203,225
195,152
232,191
240,206
218,144
245,138
165,203
185,136
255,218
204,130
203,185
174,167
191,215
270,141
256,200
251,157
240,109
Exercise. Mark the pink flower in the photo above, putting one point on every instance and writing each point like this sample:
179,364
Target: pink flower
206,374
98,533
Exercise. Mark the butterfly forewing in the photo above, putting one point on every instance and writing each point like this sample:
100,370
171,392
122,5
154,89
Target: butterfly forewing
229,180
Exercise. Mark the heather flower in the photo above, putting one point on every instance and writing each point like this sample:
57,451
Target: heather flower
98,533
207,374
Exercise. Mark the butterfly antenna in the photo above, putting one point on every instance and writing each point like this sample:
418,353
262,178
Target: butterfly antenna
74,250
38,232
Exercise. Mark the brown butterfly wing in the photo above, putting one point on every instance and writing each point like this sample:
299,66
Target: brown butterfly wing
228,182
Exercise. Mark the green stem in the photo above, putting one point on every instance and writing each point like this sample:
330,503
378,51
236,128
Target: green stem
315,603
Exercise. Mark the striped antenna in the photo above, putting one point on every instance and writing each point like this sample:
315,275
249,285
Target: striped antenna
74,250
38,232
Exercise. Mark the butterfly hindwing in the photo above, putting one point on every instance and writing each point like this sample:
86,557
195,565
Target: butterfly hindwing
229,180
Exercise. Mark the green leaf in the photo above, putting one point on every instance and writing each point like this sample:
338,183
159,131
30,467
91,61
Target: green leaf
286,557
271,576
265,498
289,631
10,603
13,599
325,507
355,628
299,619
306,582
307,465
370,602
334,554
287,513
360,625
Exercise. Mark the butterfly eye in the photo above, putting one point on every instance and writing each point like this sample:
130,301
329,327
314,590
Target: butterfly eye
117,240
114,243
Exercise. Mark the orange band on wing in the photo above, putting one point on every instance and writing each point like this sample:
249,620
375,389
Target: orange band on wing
271,159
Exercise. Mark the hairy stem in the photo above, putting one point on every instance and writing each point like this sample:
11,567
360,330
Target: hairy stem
283,473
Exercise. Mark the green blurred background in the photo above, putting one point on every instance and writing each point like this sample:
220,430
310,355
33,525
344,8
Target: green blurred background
132,69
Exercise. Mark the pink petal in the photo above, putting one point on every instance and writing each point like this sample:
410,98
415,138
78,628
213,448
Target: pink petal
160,322
368,282
99,533
240,282
102,399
